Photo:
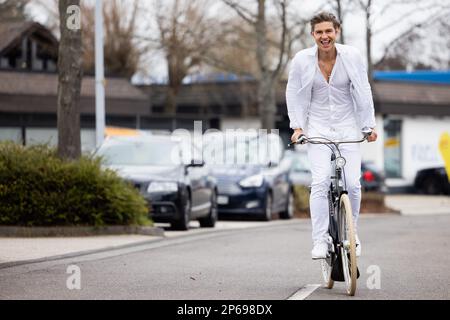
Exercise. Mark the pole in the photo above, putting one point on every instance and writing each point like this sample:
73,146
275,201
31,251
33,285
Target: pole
99,75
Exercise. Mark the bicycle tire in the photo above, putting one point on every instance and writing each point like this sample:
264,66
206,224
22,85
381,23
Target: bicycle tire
348,250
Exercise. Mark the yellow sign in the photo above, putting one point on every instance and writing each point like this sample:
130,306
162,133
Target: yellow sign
444,147
391,143
114,131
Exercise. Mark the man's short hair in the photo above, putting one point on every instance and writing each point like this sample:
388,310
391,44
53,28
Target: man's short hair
325,17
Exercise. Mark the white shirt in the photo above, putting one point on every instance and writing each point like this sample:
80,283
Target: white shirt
301,77
331,103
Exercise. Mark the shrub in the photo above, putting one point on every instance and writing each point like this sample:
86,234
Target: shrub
301,196
37,188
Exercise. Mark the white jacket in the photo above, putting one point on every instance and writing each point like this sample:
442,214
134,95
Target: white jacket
301,76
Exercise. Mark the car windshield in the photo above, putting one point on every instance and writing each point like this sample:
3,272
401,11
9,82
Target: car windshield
242,150
141,153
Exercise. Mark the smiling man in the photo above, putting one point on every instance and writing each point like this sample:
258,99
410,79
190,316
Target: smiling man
328,95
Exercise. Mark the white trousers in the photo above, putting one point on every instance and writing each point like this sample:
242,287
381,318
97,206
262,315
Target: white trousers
321,166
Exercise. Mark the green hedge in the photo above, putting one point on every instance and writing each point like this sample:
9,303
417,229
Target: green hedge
39,189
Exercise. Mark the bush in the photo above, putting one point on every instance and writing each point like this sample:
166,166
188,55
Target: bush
301,196
37,188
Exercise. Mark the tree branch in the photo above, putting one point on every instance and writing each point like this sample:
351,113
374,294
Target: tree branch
241,11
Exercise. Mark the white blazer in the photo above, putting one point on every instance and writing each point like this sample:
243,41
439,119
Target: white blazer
301,76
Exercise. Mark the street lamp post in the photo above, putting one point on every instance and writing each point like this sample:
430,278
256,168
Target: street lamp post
99,75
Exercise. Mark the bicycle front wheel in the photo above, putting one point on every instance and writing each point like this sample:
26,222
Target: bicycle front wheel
348,244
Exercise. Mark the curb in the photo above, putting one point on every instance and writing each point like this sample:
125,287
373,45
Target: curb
5,265
34,232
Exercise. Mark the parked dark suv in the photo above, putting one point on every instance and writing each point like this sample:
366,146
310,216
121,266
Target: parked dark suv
178,188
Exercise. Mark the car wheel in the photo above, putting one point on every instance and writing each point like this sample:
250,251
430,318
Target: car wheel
183,222
210,220
268,208
290,207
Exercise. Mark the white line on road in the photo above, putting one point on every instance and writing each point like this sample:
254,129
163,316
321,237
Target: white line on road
304,292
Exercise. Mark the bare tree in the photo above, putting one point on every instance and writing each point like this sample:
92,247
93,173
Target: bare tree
342,8
13,10
185,35
123,51
425,45
69,85
269,68
429,9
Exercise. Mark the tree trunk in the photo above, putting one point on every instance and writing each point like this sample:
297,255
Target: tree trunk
69,85
369,42
341,19
267,102
171,101
266,85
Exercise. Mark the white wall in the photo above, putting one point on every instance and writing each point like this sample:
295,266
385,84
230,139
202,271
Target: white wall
420,144
50,136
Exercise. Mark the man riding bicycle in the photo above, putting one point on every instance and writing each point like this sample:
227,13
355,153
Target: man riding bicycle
328,95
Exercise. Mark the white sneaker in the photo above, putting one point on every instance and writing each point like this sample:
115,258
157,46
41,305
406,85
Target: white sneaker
358,246
320,251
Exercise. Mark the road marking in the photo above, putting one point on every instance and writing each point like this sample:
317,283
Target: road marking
304,292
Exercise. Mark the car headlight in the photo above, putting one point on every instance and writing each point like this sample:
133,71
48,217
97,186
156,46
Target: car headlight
252,182
160,186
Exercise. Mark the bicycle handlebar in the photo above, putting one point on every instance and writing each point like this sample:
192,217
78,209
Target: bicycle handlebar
303,139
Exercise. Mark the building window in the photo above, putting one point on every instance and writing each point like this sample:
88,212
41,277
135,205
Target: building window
392,148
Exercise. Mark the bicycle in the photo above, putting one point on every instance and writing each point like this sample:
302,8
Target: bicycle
341,263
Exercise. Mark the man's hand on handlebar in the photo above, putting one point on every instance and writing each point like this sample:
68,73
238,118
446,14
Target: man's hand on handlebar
373,136
297,133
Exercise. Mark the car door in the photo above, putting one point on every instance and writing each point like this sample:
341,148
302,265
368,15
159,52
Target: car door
198,175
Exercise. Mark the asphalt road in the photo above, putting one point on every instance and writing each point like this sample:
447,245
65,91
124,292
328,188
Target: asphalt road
271,263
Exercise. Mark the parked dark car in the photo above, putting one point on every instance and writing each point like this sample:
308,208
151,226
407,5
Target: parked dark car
177,188
432,181
372,179
253,189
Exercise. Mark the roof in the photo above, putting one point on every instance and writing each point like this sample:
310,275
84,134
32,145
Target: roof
230,94
46,84
205,94
422,76
11,33
411,93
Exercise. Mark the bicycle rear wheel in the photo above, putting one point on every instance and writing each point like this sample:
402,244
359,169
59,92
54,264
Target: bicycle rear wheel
348,248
